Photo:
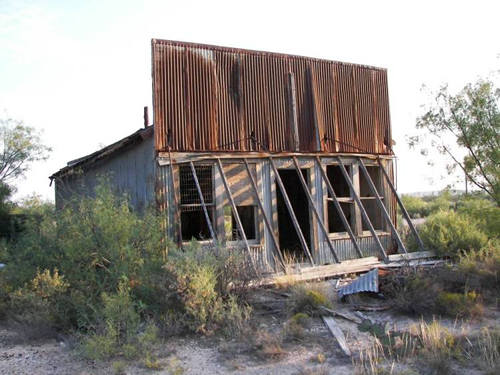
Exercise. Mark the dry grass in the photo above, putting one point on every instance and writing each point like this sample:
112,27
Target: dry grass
428,345
266,345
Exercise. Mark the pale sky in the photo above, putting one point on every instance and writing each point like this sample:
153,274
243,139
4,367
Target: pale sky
81,70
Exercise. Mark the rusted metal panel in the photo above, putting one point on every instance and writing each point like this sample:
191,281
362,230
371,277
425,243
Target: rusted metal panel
209,98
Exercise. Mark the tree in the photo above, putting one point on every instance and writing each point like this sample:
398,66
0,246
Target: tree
20,146
466,127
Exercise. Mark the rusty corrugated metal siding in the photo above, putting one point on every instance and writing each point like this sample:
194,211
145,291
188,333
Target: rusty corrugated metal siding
209,98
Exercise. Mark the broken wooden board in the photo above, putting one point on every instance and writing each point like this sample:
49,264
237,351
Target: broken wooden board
337,333
346,316
411,256
350,266
413,263
321,272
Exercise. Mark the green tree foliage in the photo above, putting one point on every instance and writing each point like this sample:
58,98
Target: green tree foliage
20,146
466,127
449,234
484,211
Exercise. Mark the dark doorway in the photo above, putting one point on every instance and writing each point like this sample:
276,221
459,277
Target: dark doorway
288,237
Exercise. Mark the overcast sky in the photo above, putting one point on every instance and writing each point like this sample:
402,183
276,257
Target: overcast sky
81,70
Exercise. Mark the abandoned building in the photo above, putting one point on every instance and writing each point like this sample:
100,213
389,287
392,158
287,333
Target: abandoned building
286,157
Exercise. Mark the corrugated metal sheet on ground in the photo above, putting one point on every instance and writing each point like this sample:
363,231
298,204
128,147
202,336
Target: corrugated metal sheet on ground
209,98
365,283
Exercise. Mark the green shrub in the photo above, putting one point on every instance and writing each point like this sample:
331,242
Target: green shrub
118,268
38,308
484,212
412,291
459,305
481,270
120,331
415,206
301,318
293,331
294,328
200,296
449,234
93,243
441,202
308,298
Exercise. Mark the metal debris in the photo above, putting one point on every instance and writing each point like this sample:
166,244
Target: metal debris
365,283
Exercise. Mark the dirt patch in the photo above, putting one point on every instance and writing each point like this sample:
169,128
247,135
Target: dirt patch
315,352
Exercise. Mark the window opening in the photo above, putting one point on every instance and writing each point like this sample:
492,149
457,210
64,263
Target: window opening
343,193
368,197
193,222
247,218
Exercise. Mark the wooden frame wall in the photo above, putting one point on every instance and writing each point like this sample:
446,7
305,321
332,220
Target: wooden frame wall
264,177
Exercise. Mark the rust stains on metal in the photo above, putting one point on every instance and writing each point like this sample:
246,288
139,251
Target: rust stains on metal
209,98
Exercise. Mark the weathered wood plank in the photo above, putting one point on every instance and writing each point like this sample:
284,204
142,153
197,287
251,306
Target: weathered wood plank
337,333
411,256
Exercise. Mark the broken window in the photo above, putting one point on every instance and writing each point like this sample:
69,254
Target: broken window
374,213
339,184
193,221
375,176
368,197
343,193
247,218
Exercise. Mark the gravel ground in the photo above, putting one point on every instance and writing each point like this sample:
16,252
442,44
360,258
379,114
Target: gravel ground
214,355
176,356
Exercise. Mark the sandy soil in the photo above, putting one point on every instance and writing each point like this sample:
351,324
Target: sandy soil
192,355
216,355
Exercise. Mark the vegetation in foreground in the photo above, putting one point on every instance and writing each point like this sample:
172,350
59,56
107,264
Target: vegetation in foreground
106,274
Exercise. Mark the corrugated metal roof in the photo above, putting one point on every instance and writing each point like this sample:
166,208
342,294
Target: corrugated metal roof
365,283
209,98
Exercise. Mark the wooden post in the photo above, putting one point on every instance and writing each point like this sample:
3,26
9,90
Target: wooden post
313,205
200,194
362,209
339,208
267,221
290,211
235,212
176,214
381,205
403,209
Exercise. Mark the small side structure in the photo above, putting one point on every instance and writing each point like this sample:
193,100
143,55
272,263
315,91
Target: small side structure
285,157
128,165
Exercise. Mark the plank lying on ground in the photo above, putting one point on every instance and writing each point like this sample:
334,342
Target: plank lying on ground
345,316
315,275
411,256
349,266
411,264
371,308
337,333
320,272
341,265
364,317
